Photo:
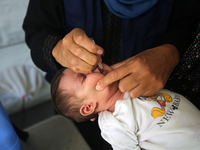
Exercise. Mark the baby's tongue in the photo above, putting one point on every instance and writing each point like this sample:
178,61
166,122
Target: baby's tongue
104,72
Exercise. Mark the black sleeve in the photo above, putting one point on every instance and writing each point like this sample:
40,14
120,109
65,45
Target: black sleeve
43,26
183,24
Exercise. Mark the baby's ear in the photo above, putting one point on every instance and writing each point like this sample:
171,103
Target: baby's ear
87,108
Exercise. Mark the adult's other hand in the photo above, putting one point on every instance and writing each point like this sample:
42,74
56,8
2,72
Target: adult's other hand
77,51
144,74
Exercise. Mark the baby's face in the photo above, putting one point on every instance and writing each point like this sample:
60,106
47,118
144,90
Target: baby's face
84,85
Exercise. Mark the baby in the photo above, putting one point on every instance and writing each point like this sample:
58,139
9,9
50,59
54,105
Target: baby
164,121
75,96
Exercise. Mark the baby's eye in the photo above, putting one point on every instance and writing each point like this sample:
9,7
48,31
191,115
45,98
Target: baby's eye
83,77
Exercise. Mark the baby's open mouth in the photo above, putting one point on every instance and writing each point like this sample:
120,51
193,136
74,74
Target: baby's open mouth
99,70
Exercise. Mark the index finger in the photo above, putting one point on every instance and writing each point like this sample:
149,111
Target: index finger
83,40
113,76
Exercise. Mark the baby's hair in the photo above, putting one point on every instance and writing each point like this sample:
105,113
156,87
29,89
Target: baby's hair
65,102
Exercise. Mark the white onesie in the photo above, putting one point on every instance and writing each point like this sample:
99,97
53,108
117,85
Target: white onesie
167,121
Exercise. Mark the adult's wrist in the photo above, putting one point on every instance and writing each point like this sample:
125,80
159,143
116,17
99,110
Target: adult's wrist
171,53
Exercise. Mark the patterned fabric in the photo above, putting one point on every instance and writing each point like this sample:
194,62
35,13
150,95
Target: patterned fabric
112,36
50,43
186,77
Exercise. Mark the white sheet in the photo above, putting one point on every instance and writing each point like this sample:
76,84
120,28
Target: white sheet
17,54
12,14
20,80
21,87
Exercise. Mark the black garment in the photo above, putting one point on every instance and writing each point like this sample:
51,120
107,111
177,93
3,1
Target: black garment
43,29
43,26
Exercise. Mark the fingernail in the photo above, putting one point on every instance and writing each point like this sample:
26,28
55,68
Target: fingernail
98,87
99,52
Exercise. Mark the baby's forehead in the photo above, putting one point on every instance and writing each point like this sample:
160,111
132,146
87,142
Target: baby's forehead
67,85
66,77
67,70
69,73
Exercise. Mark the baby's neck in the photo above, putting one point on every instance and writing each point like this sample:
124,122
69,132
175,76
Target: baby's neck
118,95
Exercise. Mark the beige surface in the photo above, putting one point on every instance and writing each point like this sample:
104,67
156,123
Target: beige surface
55,133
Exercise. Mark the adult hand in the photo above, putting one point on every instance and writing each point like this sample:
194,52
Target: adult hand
144,74
77,51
